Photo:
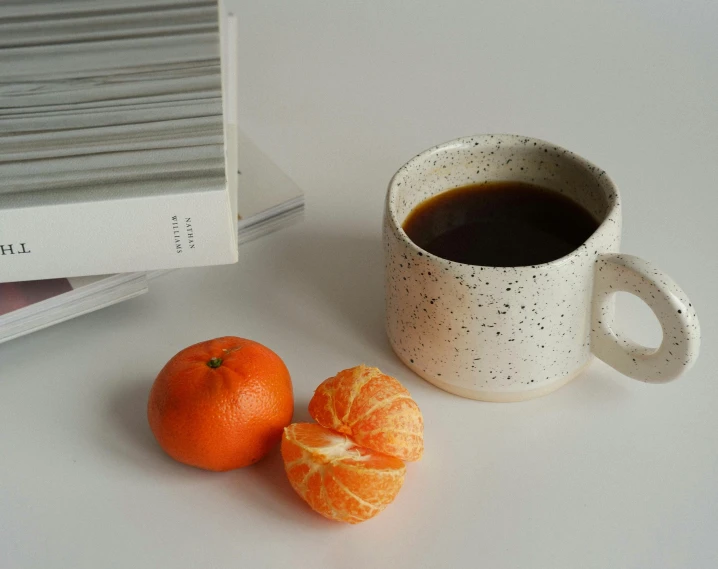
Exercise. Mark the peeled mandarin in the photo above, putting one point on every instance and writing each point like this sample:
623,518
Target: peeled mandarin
337,478
374,409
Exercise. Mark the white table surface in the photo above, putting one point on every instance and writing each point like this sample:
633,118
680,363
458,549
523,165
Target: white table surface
606,473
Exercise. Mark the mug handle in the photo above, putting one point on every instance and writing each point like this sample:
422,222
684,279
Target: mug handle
678,320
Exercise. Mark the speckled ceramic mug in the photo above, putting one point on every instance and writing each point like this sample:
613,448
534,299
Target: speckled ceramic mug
514,333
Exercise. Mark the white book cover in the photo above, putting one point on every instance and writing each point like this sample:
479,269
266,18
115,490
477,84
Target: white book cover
269,200
115,152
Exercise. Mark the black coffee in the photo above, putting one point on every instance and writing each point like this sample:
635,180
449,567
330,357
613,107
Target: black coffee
500,224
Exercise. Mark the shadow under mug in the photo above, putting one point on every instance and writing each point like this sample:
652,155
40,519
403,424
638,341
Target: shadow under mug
515,333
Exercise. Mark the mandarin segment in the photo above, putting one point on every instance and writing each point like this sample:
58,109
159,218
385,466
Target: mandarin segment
337,478
374,409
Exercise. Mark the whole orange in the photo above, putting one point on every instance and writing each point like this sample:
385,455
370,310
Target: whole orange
221,404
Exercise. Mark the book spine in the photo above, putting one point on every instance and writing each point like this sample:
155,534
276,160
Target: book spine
115,236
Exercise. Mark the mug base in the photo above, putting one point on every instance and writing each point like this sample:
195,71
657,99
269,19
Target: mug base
496,396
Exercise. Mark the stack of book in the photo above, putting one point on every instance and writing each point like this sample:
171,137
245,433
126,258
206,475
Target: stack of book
120,153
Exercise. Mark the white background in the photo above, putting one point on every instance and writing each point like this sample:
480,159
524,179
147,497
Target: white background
605,473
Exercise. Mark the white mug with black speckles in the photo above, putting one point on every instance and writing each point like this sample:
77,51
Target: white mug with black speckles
442,316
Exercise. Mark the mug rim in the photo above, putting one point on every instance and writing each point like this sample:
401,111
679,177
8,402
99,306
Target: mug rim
613,198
